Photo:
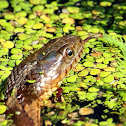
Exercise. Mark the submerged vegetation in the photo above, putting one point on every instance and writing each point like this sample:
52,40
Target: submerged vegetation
94,93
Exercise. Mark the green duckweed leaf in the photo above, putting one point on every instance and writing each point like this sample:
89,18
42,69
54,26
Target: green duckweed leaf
2,109
108,79
104,74
110,69
91,96
88,64
94,71
93,89
3,4
31,81
72,78
73,9
15,57
8,44
101,66
16,51
83,73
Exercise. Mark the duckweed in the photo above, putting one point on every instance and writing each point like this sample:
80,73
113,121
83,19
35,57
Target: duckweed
78,67
23,36
3,4
15,57
22,21
111,69
73,9
83,73
93,30
86,111
8,44
16,51
104,74
106,61
88,64
72,78
2,109
81,95
16,30
91,96
82,33
37,26
31,81
107,54
94,71
100,60
93,89
9,17
63,15
108,79
105,3
101,66
68,20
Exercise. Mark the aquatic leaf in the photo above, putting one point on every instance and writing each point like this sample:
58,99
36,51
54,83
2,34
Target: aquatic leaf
16,51
108,79
104,74
73,9
38,26
83,73
2,109
68,20
86,111
110,69
3,4
8,44
93,89
94,71
72,78
88,64
101,66
16,56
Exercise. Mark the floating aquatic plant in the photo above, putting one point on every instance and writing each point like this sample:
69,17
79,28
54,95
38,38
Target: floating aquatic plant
120,42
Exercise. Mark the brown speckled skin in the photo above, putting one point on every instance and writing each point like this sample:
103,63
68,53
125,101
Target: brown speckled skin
46,71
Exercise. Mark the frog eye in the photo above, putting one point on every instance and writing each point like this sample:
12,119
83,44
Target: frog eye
69,52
